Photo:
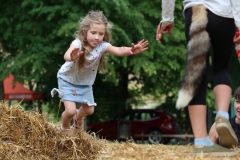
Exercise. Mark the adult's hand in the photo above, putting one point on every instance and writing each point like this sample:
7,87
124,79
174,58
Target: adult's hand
163,28
236,38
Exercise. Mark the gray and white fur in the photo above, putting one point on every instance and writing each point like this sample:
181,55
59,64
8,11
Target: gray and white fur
197,49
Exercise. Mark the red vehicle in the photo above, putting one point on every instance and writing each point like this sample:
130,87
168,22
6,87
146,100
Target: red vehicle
132,123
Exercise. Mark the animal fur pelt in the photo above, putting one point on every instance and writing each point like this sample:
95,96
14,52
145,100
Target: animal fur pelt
197,49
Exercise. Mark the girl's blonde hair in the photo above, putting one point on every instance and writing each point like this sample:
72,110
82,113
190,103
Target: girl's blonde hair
93,17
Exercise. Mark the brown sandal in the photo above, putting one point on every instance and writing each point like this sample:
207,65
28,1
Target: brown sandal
78,124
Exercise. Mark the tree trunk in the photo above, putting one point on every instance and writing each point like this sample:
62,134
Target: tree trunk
1,91
123,82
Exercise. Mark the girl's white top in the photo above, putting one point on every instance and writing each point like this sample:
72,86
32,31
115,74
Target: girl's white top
87,75
223,8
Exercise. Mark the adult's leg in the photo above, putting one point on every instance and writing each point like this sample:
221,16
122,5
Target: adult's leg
221,31
197,106
197,115
222,94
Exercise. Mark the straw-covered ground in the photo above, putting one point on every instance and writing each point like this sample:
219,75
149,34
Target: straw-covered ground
28,136
133,151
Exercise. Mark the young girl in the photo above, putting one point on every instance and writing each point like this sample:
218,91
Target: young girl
83,58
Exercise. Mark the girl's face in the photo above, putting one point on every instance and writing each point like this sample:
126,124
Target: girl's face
237,108
95,35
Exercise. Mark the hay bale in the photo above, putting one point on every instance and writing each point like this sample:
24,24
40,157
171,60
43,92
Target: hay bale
26,135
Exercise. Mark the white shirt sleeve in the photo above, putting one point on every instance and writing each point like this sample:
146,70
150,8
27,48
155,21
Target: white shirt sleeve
236,11
77,44
168,11
105,45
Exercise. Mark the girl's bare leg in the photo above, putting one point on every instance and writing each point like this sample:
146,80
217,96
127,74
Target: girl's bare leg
83,111
67,115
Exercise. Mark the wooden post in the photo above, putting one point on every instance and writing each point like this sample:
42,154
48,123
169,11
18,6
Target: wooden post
186,139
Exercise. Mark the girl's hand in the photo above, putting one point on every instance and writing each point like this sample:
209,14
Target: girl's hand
75,54
140,47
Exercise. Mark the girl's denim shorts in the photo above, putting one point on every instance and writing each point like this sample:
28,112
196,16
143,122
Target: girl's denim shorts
75,93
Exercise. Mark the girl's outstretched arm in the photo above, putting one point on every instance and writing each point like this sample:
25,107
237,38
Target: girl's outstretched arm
125,51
